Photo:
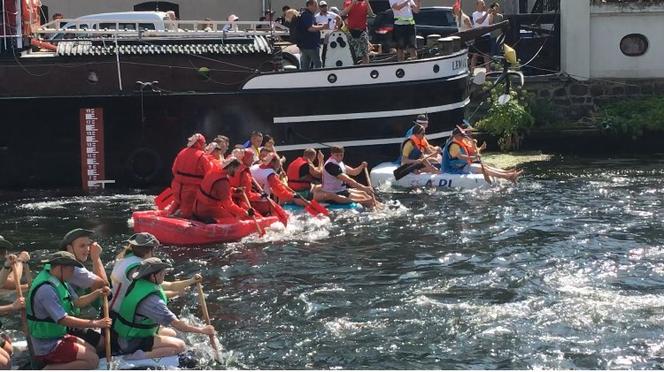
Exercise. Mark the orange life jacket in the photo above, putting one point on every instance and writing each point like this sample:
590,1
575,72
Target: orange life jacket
188,167
205,196
468,150
295,181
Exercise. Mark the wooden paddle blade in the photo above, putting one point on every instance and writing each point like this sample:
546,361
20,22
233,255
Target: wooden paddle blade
315,205
163,200
486,176
405,169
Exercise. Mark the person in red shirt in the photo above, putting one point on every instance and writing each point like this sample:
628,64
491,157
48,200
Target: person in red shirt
357,12
214,202
189,168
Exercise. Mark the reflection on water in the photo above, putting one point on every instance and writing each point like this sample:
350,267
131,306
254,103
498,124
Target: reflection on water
564,271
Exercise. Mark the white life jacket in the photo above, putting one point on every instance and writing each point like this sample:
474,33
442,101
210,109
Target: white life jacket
261,175
332,183
119,280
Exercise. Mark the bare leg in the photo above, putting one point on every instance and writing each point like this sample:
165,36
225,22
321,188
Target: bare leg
86,358
323,196
413,53
5,360
163,346
361,197
165,331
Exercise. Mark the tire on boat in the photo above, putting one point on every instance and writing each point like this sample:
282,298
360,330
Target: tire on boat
144,164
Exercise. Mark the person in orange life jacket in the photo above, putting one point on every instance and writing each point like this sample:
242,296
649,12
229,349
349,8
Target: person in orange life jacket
266,174
459,154
243,182
50,304
6,348
413,150
303,174
338,186
268,144
214,154
189,168
223,142
214,202
423,120
254,143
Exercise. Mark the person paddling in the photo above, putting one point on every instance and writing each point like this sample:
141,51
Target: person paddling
267,176
460,153
214,202
413,150
189,168
51,305
6,348
144,310
303,175
243,182
6,277
338,187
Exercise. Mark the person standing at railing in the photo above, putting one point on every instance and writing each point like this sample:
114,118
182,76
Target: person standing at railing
481,18
308,37
496,17
357,12
404,26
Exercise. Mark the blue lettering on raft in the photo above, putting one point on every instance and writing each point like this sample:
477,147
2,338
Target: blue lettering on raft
441,183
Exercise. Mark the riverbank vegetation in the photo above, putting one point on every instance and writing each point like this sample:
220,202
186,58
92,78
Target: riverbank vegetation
509,121
632,118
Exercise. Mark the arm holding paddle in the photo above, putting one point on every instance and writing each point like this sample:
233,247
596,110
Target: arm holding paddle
176,288
98,266
19,304
87,299
183,326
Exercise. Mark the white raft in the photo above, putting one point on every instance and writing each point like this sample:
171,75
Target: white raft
383,174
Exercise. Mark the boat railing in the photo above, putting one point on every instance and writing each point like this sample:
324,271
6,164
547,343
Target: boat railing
131,27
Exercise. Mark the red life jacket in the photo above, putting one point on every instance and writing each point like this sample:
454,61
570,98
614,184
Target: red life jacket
296,182
188,167
205,196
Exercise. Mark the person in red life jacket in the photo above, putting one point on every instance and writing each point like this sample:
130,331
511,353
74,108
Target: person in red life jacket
460,153
242,181
189,168
223,142
413,150
214,202
267,176
214,154
303,175
336,182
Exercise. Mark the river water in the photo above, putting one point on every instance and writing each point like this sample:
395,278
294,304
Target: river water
565,270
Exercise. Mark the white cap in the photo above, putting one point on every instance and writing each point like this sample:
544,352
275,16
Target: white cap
323,2
233,18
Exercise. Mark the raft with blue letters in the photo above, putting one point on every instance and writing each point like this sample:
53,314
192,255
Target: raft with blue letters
383,174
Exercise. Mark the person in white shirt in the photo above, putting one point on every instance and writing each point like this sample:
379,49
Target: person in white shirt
325,17
482,46
404,26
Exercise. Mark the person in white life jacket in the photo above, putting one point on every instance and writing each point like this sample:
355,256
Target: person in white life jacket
337,184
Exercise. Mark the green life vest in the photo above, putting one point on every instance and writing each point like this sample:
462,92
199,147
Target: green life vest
125,325
47,328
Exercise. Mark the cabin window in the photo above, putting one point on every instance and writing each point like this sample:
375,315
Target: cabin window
634,45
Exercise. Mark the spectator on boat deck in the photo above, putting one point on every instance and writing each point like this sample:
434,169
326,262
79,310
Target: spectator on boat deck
50,306
481,18
282,19
404,26
269,15
357,12
232,26
462,20
144,310
326,17
308,37
189,168
57,16
496,17
206,26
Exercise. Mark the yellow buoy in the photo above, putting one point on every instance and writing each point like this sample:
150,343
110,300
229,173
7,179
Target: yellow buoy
510,54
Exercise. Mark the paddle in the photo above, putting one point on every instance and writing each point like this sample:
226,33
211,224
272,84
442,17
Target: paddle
278,211
164,199
24,317
206,316
484,173
313,207
258,226
403,170
107,332
373,192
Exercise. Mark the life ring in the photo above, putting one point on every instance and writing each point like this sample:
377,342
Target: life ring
144,165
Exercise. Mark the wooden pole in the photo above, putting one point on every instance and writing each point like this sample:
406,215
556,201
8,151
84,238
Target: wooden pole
206,317
107,333
24,317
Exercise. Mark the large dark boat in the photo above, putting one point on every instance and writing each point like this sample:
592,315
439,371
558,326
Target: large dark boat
153,83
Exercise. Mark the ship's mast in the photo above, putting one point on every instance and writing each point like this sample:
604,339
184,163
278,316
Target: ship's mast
4,26
19,24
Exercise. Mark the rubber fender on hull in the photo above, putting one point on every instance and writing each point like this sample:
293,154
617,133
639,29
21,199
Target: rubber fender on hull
144,164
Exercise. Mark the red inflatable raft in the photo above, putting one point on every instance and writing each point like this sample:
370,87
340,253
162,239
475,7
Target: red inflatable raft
178,231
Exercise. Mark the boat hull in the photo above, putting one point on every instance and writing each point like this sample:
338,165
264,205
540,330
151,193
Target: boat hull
382,174
182,232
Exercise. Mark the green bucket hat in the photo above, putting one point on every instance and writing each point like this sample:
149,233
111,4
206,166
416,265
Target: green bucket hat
63,258
73,235
150,266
